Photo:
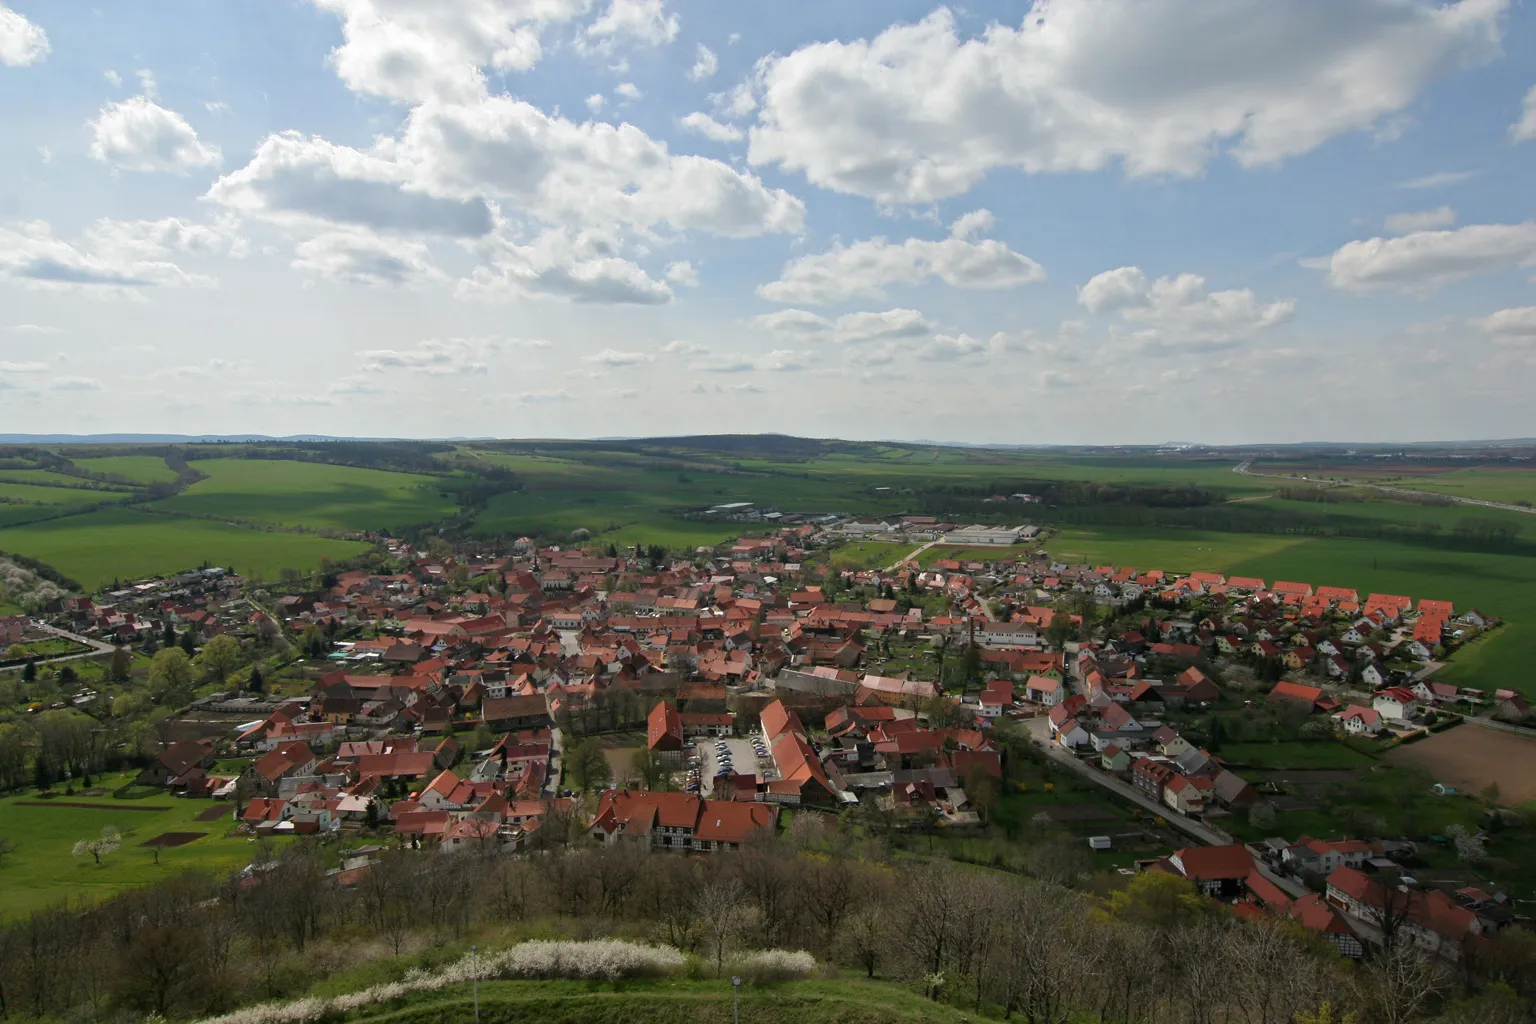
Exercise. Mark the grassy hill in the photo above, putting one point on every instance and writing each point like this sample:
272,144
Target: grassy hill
708,1001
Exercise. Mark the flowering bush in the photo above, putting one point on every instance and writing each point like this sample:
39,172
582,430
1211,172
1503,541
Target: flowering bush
600,960
774,965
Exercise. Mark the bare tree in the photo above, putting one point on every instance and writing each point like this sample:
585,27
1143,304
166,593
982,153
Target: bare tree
718,907
1399,982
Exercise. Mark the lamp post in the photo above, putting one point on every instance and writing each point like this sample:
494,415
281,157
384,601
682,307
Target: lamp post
736,999
475,952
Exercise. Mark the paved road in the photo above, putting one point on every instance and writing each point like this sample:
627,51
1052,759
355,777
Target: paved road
96,646
904,558
1245,469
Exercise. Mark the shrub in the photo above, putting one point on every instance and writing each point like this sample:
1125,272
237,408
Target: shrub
769,965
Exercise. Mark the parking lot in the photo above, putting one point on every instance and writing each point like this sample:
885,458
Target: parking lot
743,760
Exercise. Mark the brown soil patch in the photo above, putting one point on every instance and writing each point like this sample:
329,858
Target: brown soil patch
95,807
169,839
621,761
1069,814
1470,756
216,814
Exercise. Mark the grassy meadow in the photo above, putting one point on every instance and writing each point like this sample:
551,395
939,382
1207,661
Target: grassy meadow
313,494
42,870
98,547
144,469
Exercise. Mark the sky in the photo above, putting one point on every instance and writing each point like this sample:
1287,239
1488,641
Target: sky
1066,222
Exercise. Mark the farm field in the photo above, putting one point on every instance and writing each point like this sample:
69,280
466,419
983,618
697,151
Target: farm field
43,477
1299,754
1153,547
1470,757
869,554
149,469
98,547
42,870
38,495
313,494
980,553
1510,486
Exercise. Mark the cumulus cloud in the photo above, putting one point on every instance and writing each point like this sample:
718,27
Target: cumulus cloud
705,63
112,258
704,125
889,325
919,114
590,174
296,179
583,267
137,134
1424,260
629,21
437,357
1179,312
1424,220
1510,326
409,51
364,258
684,273
867,268
683,348
629,90
780,360
1438,179
945,347
21,42
1524,130
614,357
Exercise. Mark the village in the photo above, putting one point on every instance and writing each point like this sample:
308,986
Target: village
462,704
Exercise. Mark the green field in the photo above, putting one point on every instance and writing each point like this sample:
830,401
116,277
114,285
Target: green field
981,553
869,554
99,547
1509,486
47,476
42,871
313,494
148,469
36,495
1172,550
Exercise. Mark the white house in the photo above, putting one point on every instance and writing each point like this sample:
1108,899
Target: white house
1359,721
1396,703
1043,690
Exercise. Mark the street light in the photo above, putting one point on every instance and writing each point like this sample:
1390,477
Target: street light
735,1000
475,952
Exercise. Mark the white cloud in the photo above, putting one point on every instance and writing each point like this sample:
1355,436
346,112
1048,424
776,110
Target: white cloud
1438,179
45,154
1510,326
629,90
918,114
583,267
113,78
946,347
705,63
36,329
595,102
147,84
541,397
684,273
21,42
794,321
1178,312
112,258
216,107
683,348
736,102
137,134
294,179
1426,259
437,357
614,357
887,326
75,384
867,267
592,173
1424,220
410,51
1524,130
711,129
6,366
355,256
637,21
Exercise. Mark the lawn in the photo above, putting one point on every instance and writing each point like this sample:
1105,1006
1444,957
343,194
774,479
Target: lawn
1296,755
42,870
1176,550
869,554
99,547
313,494
147,469
985,553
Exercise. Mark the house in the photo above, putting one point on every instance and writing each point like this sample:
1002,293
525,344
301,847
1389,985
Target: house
1217,871
1321,856
1359,721
1314,914
1396,703
1043,690
1296,693
678,821
1432,920
1187,795
664,729
1115,759
1151,776
175,761
996,698
1231,790
266,773
510,714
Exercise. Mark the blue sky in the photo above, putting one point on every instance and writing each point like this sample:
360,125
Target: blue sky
1091,221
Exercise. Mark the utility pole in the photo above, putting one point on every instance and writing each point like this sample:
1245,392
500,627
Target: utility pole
475,952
